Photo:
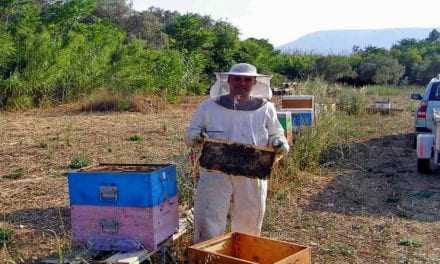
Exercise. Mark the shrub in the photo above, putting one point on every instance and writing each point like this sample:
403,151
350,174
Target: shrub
79,161
20,103
135,138
410,242
15,174
351,102
5,235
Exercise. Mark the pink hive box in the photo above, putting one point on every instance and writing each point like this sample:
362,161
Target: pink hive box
124,228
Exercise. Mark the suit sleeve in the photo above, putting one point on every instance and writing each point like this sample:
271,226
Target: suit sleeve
196,125
274,127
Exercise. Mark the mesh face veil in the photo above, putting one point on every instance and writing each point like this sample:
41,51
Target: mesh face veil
261,89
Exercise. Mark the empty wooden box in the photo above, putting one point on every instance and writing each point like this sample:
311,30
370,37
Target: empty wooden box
239,248
237,159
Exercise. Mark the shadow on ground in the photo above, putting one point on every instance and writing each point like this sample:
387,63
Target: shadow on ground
380,178
56,219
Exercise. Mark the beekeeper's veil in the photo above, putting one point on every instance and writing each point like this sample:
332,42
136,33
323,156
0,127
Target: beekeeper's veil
260,89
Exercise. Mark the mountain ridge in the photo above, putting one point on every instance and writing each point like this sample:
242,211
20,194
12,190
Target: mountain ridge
341,42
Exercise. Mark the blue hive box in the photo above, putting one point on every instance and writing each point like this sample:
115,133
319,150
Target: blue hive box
301,116
123,185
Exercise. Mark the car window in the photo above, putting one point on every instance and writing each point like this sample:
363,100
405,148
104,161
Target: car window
435,92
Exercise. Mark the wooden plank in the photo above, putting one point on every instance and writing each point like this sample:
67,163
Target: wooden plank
212,241
268,149
129,258
302,257
264,250
200,256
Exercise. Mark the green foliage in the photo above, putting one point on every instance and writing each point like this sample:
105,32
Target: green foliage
5,235
15,174
410,242
20,102
316,145
334,68
167,72
351,102
135,138
79,161
340,249
380,69
59,51
434,35
294,66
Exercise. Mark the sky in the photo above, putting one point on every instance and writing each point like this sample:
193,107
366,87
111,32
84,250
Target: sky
284,21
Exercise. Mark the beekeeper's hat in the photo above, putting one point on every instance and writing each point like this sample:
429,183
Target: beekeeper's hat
260,89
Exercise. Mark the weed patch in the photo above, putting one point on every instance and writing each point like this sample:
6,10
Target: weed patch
79,161
5,235
410,242
15,174
135,138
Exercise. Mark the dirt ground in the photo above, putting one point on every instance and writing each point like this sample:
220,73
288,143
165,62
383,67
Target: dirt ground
369,207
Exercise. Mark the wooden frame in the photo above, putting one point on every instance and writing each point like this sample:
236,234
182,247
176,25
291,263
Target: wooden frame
237,159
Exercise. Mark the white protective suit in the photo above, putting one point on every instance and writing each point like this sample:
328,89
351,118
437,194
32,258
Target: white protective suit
215,191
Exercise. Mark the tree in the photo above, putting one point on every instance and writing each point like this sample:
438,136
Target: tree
191,32
434,35
334,68
294,66
429,69
146,26
224,46
380,69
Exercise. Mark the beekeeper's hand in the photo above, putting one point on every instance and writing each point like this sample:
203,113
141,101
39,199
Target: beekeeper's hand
280,146
197,139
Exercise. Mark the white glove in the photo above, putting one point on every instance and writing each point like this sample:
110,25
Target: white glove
280,146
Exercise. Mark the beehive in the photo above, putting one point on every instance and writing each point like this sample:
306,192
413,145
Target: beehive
242,248
237,159
285,119
123,206
297,101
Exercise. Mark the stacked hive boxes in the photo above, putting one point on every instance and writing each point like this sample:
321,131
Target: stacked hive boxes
301,107
123,207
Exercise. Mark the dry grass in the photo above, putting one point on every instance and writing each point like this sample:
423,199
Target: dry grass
369,207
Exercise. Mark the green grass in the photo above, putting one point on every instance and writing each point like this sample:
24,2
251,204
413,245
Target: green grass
326,142
339,249
410,242
392,90
79,161
5,235
135,138
15,174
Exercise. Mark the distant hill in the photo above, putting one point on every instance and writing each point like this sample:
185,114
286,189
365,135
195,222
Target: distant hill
341,42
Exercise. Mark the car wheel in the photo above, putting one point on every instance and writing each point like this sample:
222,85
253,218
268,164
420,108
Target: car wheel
423,166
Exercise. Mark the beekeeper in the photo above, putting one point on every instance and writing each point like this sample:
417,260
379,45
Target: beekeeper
238,111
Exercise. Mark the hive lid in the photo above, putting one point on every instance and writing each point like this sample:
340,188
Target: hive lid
119,167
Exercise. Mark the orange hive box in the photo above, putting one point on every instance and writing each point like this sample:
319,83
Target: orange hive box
239,248
297,101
